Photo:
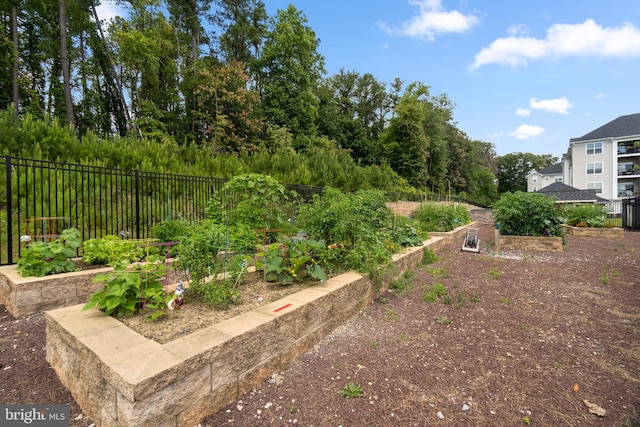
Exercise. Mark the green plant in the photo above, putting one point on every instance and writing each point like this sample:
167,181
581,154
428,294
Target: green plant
526,421
586,215
604,275
429,256
390,313
290,259
351,390
461,299
494,273
110,250
505,301
435,291
402,285
41,259
475,297
438,273
438,217
527,214
127,291
443,320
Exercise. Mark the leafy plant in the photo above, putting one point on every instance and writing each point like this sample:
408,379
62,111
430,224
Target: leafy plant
402,285
527,214
586,215
505,301
494,273
351,390
435,291
127,291
41,259
438,217
110,250
429,256
290,259
443,320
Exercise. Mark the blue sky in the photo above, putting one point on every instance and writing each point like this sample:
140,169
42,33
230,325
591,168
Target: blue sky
524,75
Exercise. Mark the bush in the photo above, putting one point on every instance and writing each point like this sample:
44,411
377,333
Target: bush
586,215
41,259
438,217
527,214
110,250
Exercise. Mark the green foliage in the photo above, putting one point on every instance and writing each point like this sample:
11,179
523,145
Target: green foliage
41,259
429,256
126,291
402,285
198,254
439,217
351,390
586,215
110,250
290,259
171,230
514,167
224,292
527,214
404,233
434,292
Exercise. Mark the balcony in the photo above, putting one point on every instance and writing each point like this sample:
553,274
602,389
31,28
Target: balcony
627,148
629,169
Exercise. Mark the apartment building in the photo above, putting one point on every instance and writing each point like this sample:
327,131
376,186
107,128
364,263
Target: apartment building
606,159
537,180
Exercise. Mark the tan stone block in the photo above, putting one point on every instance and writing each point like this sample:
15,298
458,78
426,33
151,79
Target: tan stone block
28,297
58,294
218,398
165,403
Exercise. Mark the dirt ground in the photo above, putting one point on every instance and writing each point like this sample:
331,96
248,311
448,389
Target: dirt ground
524,338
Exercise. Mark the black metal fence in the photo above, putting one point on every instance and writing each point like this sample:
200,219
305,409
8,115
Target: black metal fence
631,213
41,198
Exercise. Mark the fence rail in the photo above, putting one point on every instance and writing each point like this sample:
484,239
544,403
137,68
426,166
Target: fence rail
43,197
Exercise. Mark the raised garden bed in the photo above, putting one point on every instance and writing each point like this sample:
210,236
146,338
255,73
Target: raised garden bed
455,234
121,378
613,233
27,295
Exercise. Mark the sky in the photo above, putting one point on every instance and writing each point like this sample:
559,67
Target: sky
524,75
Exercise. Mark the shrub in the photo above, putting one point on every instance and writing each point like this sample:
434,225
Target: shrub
586,215
438,217
527,214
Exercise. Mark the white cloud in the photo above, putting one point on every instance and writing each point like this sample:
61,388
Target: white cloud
526,132
523,112
558,105
433,20
108,9
518,30
562,40
601,95
495,135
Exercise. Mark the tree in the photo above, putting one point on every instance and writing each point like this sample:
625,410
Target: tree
289,71
64,62
513,169
405,143
242,26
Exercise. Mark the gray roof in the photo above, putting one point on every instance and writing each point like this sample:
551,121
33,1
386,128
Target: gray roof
551,170
565,193
622,126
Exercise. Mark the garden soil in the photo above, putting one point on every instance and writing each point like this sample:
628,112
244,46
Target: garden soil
519,338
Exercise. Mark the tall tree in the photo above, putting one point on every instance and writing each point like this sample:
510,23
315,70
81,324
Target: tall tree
405,142
513,169
64,62
242,25
289,70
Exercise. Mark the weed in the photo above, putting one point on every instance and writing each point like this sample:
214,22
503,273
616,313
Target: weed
494,273
434,292
374,344
475,297
429,256
446,299
404,337
390,313
443,320
504,300
384,300
351,390
526,421
402,285
461,299
604,276
292,409
523,327
439,273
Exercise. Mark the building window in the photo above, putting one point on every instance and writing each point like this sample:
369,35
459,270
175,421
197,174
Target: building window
535,188
546,178
594,148
535,179
594,168
626,189
595,186
557,179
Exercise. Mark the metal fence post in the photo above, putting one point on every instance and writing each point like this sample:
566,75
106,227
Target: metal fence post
137,204
9,210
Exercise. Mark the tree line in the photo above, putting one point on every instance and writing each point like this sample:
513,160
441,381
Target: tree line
222,82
